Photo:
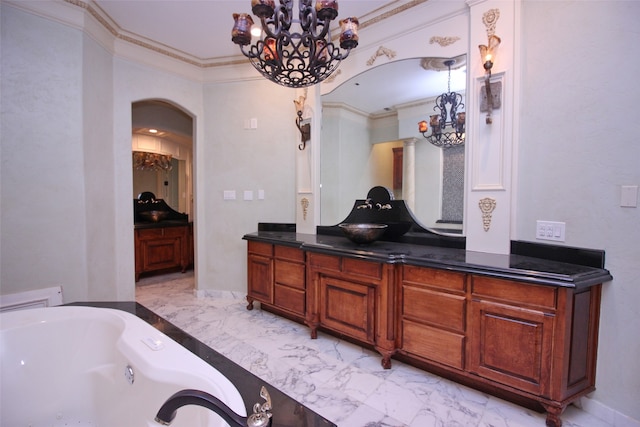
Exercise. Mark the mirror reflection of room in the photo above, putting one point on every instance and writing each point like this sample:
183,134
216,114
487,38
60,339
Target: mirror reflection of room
162,153
370,137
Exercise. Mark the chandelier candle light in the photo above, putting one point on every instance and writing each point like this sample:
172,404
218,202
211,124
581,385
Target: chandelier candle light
294,59
447,127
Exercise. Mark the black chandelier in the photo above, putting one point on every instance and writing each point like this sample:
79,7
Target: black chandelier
294,59
447,127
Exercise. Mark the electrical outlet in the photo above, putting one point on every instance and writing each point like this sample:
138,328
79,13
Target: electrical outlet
550,230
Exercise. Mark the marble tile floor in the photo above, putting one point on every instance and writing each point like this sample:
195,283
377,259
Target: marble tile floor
339,380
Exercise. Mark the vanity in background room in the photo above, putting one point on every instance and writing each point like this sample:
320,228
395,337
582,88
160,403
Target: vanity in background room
522,326
163,237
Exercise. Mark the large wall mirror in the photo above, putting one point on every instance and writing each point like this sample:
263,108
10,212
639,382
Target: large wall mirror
162,145
370,137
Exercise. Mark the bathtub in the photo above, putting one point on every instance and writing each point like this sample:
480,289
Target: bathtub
85,366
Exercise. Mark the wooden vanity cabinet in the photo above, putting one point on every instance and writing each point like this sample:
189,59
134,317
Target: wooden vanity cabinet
276,278
540,341
161,248
525,342
532,344
354,298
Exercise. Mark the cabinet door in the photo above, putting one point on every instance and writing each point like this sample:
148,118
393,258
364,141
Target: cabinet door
160,248
511,345
260,278
348,307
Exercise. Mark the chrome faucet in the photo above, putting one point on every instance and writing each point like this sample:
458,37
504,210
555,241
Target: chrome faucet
382,207
366,205
261,416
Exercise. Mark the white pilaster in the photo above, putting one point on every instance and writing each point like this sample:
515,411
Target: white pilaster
491,146
409,172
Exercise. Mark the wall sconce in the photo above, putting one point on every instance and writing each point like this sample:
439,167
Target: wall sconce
487,54
305,129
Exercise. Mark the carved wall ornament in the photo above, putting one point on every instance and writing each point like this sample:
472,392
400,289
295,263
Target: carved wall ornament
333,76
487,206
390,54
443,41
438,64
489,19
304,202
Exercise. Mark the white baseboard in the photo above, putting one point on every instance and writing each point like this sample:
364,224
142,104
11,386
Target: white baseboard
606,413
47,297
209,293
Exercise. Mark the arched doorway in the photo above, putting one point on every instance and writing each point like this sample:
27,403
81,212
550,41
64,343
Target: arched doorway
162,162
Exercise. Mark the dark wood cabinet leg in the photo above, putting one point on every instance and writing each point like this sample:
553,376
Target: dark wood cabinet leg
553,415
386,357
386,362
314,333
250,301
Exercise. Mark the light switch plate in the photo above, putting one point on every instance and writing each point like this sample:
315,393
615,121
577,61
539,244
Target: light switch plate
629,196
229,194
248,194
550,230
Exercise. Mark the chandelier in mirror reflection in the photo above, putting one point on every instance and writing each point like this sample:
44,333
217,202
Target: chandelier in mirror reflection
143,160
447,126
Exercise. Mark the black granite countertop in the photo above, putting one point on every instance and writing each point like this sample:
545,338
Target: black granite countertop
512,267
287,412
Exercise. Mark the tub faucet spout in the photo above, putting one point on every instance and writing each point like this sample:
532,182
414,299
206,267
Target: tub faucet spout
260,418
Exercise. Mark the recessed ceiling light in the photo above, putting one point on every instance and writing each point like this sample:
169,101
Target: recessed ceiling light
153,130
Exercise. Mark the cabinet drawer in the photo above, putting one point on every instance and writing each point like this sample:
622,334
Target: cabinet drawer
174,231
260,248
290,274
431,277
520,293
150,233
324,262
433,344
290,299
435,308
285,252
362,268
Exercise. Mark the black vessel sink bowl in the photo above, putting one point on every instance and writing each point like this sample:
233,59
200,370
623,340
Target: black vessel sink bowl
363,233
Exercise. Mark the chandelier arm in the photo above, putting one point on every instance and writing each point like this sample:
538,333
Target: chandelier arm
284,15
251,53
307,15
309,22
279,22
